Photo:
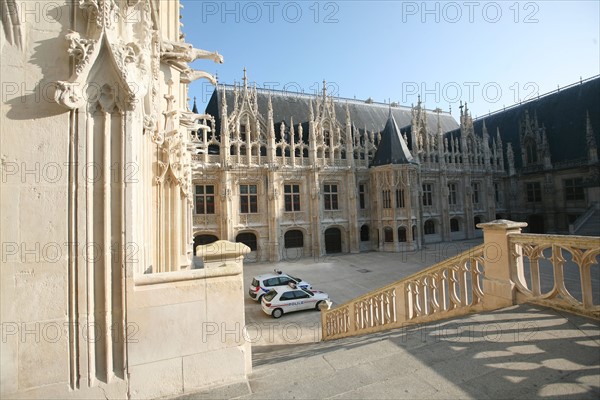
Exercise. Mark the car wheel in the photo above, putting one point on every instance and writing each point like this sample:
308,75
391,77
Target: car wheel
278,312
318,304
260,298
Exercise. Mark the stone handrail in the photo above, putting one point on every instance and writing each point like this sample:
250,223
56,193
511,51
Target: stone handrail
530,249
450,288
487,277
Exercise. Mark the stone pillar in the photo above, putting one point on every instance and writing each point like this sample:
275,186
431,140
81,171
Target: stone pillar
498,287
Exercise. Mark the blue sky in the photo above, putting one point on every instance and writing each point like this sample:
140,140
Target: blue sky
490,54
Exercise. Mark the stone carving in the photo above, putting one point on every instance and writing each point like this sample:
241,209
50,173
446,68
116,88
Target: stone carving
185,52
191,75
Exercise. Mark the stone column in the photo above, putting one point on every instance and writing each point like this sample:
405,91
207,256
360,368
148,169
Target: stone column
498,287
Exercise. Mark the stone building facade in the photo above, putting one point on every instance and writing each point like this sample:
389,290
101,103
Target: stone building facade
298,175
98,297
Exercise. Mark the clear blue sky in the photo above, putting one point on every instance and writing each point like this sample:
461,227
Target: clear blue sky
491,54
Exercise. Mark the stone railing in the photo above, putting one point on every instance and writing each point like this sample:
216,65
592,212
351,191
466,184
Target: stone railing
487,277
539,265
452,287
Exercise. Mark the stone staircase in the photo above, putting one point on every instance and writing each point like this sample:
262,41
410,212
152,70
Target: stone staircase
588,224
591,227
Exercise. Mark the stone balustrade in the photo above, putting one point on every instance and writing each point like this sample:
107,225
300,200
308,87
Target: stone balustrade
504,271
539,262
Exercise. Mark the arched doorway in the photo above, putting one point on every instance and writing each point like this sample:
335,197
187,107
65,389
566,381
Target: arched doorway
293,239
333,241
202,240
249,239
536,223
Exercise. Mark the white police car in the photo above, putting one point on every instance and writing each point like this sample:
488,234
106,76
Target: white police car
261,284
289,299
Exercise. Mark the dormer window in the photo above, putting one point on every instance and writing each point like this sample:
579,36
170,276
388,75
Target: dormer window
531,153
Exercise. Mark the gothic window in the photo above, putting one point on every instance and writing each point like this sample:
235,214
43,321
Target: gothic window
248,199
475,194
361,196
330,194
452,190
402,234
327,137
386,201
427,194
205,199
574,189
294,239
249,239
534,192
399,198
364,233
243,133
454,225
429,227
388,234
291,197
497,192
242,150
531,153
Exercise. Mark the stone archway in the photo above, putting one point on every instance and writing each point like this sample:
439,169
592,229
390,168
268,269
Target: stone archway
333,241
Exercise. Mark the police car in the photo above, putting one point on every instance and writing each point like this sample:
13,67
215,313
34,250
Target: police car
289,299
261,284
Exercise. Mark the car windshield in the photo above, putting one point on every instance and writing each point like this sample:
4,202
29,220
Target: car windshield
254,282
270,294
309,292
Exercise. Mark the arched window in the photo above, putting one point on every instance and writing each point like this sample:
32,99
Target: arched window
364,233
248,238
402,234
293,239
429,227
454,225
388,234
414,232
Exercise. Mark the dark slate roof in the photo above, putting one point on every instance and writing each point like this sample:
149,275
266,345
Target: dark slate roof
392,149
372,116
562,112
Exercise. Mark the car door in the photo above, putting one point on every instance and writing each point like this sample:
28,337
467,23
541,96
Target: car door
302,300
286,301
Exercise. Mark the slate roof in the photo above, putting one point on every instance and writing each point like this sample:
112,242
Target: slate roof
372,116
392,149
562,112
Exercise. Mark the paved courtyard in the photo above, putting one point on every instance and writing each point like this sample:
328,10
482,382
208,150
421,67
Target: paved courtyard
343,277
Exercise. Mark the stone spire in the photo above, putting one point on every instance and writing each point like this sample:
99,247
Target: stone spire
510,156
590,140
195,108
